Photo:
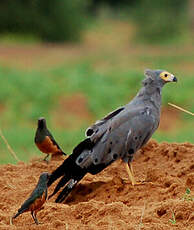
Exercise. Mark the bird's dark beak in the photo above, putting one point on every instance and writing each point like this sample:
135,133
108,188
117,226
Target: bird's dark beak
174,79
49,175
41,122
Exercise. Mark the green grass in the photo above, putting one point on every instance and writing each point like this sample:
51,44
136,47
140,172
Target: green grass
184,134
9,38
173,220
187,196
25,96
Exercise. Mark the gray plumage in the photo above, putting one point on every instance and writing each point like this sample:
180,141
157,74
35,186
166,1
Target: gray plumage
118,135
122,132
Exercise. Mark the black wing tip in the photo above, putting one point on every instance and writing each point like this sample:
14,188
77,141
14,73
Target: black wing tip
61,197
69,169
50,196
56,174
59,200
52,178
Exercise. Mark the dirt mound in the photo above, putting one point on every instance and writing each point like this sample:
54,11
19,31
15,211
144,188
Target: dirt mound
108,200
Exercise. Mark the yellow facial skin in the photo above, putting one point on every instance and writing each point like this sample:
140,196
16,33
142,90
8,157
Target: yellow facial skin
166,76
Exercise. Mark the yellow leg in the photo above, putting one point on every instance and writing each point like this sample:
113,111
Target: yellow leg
129,169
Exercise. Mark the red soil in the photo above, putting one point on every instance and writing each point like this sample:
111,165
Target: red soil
108,200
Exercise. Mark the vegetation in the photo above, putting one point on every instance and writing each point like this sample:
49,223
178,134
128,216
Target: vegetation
25,96
106,72
52,21
161,21
187,196
63,20
173,220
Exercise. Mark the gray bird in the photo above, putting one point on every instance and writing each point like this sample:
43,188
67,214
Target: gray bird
118,135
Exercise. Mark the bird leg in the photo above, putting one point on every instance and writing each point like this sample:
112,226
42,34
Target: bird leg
46,158
34,217
129,169
131,175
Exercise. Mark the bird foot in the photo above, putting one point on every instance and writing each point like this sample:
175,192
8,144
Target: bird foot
38,223
43,160
46,160
141,182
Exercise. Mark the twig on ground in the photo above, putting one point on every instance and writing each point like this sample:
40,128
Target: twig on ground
8,146
10,186
10,220
184,110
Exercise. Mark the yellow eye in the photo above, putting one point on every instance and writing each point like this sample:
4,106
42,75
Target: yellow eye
165,76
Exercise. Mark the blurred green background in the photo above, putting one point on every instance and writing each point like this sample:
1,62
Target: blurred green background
75,61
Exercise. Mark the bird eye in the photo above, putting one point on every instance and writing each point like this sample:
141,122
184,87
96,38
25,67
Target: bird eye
165,75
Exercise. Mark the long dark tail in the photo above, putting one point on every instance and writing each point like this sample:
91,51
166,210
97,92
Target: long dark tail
64,153
70,171
13,217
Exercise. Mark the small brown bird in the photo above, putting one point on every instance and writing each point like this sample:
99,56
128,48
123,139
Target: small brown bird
37,198
45,141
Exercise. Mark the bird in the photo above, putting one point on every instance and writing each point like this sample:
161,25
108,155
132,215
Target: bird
37,198
117,136
45,141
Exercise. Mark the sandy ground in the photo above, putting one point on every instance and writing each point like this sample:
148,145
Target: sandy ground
108,200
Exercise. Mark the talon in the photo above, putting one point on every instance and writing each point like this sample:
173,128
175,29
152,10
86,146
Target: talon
143,182
140,183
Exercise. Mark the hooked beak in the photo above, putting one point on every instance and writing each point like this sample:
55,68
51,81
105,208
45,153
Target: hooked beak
174,79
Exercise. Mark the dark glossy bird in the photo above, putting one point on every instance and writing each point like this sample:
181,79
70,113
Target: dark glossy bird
117,136
37,198
45,141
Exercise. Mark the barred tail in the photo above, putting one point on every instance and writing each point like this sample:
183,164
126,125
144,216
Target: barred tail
70,172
